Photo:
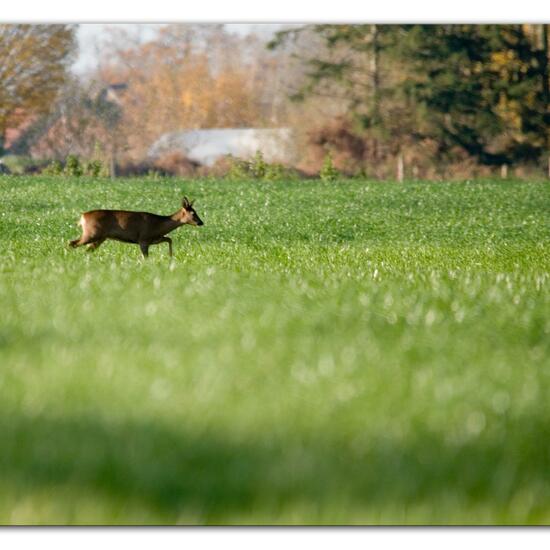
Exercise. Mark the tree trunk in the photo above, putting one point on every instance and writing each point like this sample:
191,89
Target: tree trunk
375,73
400,167
112,167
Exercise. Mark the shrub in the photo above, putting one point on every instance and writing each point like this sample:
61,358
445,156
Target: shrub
55,168
328,171
22,164
275,172
73,167
257,169
154,175
238,169
94,168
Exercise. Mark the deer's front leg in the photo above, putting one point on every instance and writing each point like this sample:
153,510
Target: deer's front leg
144,249
165,240
169,241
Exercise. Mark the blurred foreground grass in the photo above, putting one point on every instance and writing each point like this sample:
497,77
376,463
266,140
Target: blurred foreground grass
349,352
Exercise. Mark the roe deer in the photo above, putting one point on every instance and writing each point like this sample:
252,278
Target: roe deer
140,228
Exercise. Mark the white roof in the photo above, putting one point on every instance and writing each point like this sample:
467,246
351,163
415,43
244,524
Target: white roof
207,146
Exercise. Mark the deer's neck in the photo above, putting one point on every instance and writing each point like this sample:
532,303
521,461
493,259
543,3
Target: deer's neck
171,223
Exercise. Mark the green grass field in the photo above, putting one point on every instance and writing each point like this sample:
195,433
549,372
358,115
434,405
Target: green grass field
345,353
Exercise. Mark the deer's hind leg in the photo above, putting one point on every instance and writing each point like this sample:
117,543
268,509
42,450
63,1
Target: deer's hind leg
79,242
95,244
85,239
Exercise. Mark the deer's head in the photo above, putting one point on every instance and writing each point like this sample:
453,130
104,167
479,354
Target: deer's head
188,214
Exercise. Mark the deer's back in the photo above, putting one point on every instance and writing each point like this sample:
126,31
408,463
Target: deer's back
124,225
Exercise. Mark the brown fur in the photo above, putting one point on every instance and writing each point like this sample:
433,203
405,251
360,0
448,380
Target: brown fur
141,228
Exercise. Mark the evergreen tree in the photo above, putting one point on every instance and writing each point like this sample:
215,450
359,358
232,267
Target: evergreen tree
481,89
478,87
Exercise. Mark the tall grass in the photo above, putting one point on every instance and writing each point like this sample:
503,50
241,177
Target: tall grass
319,352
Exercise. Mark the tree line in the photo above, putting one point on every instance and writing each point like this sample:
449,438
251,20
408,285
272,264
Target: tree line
449,93
382,100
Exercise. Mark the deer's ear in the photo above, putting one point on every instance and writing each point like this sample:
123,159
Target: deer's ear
185,202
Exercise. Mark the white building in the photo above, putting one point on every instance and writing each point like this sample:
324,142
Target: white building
207,146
